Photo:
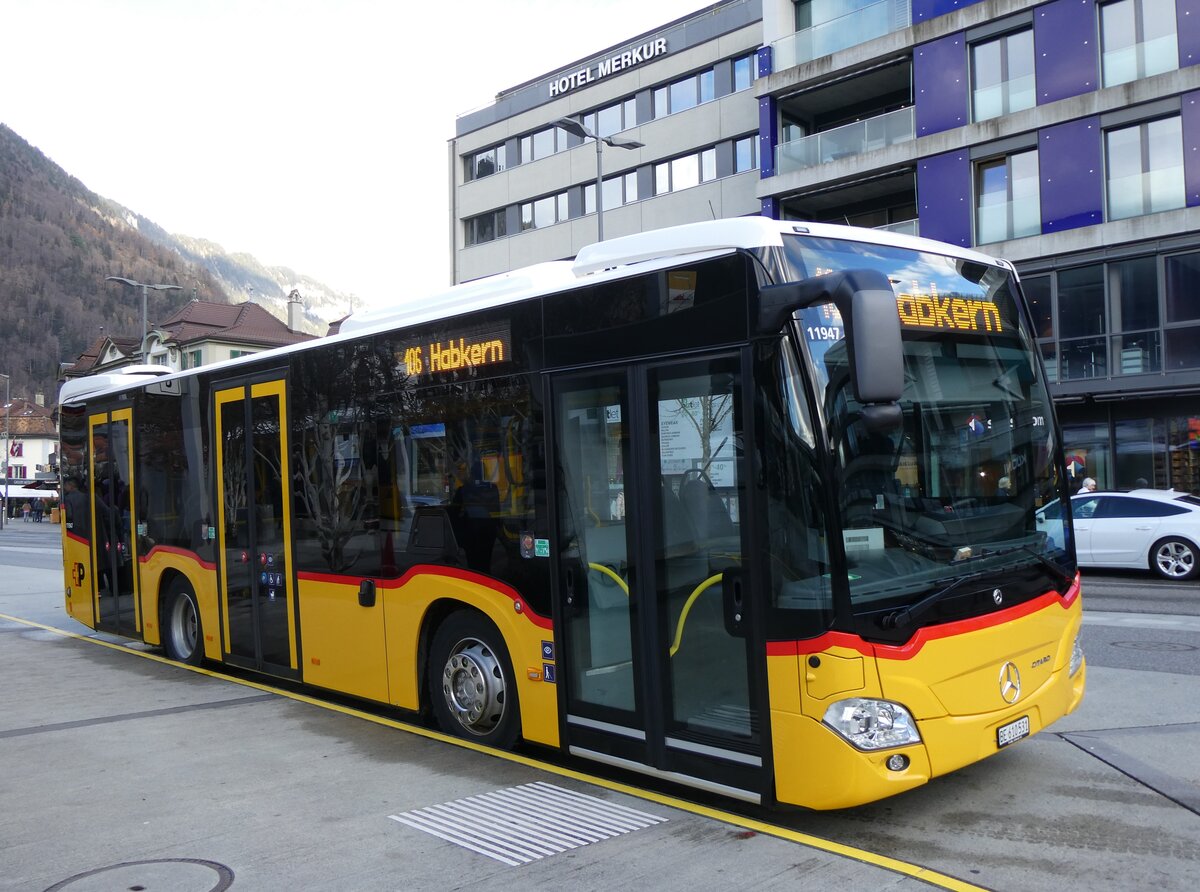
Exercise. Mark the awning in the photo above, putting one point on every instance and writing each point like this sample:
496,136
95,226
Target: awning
24,492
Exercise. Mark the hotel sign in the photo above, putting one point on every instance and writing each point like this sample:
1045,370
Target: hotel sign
628,59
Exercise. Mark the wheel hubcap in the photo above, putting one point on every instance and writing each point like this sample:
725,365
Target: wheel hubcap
1175,559
473,686
183,626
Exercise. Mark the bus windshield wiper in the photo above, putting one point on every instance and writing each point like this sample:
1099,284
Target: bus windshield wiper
1055,570
909,614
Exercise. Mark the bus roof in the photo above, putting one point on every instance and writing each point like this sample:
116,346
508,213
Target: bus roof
611,259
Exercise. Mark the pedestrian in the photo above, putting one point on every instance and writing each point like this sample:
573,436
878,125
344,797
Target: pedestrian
27,510
38,508
1089,485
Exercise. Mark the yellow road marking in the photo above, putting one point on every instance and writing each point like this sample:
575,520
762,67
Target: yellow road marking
924,874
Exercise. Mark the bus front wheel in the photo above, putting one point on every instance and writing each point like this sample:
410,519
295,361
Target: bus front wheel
471,681
181,625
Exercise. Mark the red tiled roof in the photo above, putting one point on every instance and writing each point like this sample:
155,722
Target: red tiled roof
246,322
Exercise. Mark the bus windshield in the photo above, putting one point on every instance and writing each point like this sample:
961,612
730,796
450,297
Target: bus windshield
950,498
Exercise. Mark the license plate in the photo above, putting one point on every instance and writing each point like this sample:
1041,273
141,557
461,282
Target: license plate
1012,732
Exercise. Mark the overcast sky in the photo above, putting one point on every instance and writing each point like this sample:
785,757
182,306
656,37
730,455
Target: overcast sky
310,133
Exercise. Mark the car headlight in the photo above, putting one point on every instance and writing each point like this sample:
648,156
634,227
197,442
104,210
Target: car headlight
872,724
1076,653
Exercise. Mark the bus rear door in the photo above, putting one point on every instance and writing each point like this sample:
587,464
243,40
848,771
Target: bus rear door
656,662
258,611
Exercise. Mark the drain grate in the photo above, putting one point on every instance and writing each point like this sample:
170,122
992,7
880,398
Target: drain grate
522,824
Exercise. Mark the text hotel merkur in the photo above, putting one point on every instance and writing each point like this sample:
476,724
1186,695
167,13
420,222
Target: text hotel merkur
611,65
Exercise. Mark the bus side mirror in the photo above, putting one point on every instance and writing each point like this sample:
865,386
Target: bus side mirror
867,303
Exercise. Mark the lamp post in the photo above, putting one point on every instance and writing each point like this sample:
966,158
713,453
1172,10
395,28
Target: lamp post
576,128
7,447
145,288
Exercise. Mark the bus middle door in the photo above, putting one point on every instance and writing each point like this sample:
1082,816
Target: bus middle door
655,647
258,611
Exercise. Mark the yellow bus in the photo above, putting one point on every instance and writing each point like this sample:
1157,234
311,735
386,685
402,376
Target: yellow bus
719,503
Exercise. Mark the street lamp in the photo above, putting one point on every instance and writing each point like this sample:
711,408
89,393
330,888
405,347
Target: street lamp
7,446
574,127
145,288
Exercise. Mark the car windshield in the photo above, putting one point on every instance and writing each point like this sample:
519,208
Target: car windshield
954,491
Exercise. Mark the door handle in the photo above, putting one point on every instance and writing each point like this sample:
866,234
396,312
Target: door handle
366,593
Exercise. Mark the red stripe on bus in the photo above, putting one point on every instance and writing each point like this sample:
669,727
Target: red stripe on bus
75,537
178,552
924,635
436,570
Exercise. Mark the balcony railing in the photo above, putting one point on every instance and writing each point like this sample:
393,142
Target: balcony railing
867,23
1139,60
904,227
845,141
1146,193
1005,98
1005,220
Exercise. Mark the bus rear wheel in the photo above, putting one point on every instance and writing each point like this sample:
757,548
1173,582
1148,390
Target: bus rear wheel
471,682
181,625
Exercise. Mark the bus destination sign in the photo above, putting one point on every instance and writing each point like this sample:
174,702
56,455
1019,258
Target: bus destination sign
459,351
957,313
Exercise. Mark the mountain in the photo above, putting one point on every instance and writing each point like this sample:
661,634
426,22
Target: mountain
58,242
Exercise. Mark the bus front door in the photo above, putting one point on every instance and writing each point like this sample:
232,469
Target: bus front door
258,613
655,642
113,544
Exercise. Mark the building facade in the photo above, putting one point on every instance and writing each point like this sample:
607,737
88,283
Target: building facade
1063,136
524,190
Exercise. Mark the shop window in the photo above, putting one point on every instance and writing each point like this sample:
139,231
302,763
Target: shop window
1183,447
1088,454
1140,454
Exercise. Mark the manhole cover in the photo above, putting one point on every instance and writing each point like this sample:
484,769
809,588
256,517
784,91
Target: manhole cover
176,874
1160,646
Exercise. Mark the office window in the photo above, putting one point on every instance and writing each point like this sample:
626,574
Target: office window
1133,302
1008,199
1145,168
1183,287
1082,323
485,163
1002,79
608,121
683,95
485,227
745,154
743,73
1138,39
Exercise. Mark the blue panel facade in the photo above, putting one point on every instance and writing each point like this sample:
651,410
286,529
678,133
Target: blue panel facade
1072,175
768,136
1066,62
1187,21
931,9
940,83
1190,115
944,197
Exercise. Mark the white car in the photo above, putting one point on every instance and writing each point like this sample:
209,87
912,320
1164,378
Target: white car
1146,528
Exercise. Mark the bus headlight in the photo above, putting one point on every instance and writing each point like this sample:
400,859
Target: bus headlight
872,724
1076,654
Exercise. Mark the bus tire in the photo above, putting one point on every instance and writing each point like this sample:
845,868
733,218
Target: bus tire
471,681
1175,558
182,637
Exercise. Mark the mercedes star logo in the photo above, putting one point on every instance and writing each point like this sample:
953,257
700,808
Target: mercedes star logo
998,597
1010,683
